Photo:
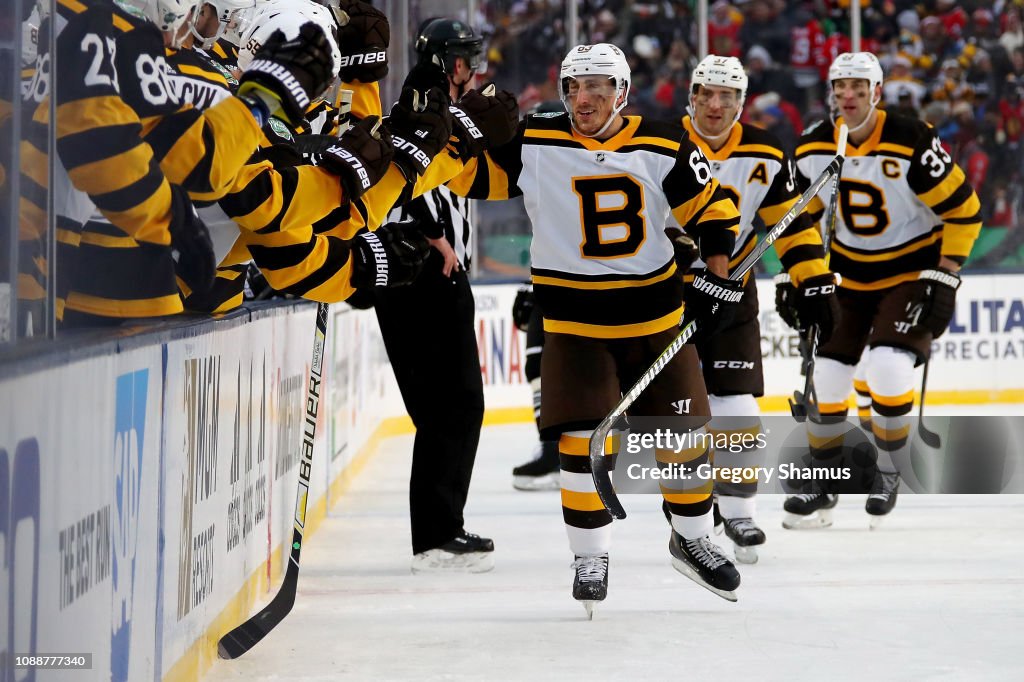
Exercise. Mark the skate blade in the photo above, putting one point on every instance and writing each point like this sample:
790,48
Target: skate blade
875,522
685,569
745,555
820,519
530,483
590,605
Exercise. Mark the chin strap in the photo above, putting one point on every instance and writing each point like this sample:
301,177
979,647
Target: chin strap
833,113
715,138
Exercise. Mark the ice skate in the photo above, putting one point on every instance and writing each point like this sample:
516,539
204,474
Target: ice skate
540,473
808,511
745,536
882,499
590,584
702,562
465,553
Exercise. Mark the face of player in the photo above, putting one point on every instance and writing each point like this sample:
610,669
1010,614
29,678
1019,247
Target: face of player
592,101
714,108
854,99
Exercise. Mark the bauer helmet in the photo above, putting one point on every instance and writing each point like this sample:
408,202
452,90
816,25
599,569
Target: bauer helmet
448,39
168,15
863,65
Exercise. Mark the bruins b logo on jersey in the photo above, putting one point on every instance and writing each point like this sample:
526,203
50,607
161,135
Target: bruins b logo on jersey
610,213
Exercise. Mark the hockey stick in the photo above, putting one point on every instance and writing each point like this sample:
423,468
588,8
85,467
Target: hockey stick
805,404
249,633
600,467
928,437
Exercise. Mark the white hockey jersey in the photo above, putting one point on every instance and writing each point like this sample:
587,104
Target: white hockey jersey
602,265
902,202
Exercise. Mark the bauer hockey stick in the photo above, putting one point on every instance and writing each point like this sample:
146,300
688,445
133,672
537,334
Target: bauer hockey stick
805,404
249,633
600,466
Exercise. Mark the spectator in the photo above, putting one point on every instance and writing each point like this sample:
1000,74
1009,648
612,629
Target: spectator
765,26
901,84
724,25
763,75
1013,34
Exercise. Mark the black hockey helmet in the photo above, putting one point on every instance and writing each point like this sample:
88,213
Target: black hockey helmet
448,39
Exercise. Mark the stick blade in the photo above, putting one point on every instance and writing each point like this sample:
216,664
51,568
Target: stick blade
928,437
248,634
601,470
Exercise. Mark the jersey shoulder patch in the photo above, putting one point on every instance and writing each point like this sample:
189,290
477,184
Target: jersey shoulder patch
558,120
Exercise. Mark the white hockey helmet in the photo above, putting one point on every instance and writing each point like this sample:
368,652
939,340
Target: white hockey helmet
287,16
233,17
600,59
863,65
168,15
722,72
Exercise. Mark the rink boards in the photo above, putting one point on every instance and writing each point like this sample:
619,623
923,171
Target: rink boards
147,484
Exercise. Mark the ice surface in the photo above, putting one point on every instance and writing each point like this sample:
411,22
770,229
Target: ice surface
936,594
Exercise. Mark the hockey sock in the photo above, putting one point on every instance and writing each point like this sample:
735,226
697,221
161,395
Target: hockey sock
689,499
587,522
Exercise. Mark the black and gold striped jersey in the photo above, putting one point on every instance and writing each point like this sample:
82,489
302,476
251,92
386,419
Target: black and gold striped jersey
224,53
602,265
114,91
758,176
902,202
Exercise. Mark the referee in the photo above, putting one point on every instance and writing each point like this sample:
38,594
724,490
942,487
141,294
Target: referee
430,339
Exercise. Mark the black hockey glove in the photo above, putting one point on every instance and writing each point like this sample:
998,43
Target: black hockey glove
686,251
191,246
522,307
287,74
427,74
359,158
814,302
364,38
420,127
711,301
937,299
391,256
483,120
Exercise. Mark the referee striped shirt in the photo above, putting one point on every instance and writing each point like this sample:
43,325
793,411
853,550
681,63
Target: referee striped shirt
440,207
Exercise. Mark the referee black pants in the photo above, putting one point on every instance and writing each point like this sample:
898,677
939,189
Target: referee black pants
431,341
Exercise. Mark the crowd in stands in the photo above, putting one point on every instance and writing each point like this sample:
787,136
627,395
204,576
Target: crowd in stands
957,65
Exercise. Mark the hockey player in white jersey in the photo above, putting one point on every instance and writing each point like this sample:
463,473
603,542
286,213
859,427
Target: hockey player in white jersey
907,221
754,170
600,188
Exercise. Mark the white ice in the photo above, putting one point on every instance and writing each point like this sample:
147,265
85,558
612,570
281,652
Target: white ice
936,594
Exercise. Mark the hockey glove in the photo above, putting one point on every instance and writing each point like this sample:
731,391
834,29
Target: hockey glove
287,74
483,120
359,158
938,299
522,307
812,303
364,38
427,74
391,256
711,301
191,246
420,127
686,251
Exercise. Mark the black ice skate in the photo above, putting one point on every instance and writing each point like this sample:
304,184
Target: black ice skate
745,536
590,585
702,562
541,473
882,499
809,510
465,553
